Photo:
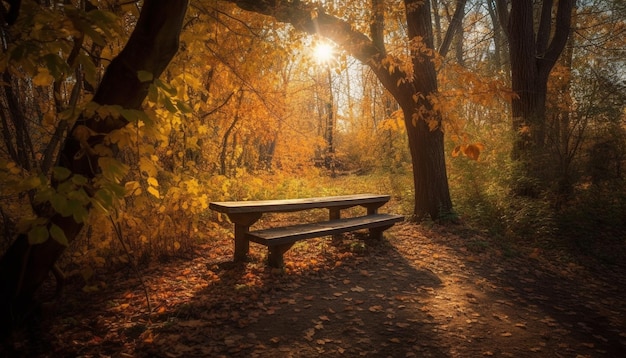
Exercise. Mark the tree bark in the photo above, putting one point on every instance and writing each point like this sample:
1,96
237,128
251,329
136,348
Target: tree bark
150,48
532,58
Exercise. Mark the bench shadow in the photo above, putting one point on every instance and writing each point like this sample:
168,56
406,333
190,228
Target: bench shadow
335,298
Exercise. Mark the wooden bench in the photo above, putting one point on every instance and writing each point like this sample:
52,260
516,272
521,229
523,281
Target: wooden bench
278,240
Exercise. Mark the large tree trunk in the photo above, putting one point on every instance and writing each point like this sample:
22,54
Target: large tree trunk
150,48
432,196
532,55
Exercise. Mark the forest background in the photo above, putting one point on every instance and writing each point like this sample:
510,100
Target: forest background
245,111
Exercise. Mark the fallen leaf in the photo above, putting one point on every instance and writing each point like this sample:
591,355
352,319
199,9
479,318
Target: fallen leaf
309,333
193,323
232,340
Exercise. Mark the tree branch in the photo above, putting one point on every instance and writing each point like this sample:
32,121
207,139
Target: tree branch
455,26
503,16
313,20
150,48
561,33
377,25
543,33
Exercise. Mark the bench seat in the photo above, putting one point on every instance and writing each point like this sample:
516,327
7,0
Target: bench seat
280,239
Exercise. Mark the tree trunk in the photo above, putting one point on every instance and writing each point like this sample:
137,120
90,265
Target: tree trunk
432,195
497,36
564,141
224,150
528,82
150,48
532,57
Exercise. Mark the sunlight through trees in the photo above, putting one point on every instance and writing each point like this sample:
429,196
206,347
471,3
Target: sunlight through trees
121,121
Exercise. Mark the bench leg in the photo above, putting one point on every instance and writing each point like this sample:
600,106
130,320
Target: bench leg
275,255
377,232
335,214
242,245
242,227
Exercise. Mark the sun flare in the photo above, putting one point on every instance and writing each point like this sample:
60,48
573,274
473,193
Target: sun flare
323,52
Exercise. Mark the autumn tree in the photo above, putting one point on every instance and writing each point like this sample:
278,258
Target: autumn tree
87,174
407,71
537,34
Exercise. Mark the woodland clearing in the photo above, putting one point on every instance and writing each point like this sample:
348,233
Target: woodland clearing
423,291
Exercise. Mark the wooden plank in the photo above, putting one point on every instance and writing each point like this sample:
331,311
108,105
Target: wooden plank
290,234
287,205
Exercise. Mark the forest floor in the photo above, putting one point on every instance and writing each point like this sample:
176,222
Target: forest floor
424,291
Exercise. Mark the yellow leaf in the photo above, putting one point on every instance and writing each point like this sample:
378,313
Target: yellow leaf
456,151
153,182
155,192
176,245
131,187
43,78
433,124
147,166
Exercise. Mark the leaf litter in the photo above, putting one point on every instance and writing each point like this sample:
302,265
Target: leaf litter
421,292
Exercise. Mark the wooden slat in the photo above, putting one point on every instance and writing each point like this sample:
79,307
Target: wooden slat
290,234
265,206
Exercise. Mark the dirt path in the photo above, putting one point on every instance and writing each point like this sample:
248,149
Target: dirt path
420,293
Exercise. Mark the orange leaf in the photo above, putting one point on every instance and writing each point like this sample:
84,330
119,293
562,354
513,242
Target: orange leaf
456,151
472,151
